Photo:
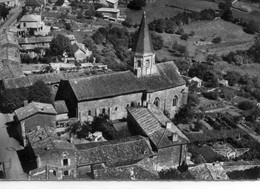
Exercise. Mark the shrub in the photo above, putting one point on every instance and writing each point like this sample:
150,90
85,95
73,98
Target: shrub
246,105
184,37
217,40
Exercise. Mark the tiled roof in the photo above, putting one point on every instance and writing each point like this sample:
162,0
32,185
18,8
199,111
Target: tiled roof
33,108
113,152
143,44
100,86
46,39
167,77
10,52
103,9
142,170
30,18
61,107
8,38
112,1
153,125
10,69
33,3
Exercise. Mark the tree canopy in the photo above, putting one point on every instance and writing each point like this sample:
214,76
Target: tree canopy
59,45
4,11
39,92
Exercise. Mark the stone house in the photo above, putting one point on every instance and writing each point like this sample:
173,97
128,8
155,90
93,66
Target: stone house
108,154
112,93
53,151
109,13
169,143
197,80
61,109
80,52
33,115
29,44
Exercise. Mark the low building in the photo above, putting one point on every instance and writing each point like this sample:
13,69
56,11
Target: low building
30,44
223,82
195,80
109,13
32,23
53,151
142,170
61,109
80,52
120,152
167,140
35,114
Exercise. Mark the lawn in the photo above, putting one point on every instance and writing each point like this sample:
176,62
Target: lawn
161,8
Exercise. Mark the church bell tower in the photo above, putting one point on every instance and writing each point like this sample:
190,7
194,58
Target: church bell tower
144,54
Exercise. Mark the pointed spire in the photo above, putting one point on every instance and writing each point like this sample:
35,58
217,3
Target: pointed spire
144,43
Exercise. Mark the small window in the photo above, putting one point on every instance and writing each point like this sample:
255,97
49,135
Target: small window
24,24
66,173
139,63
89,112
65,162
127,105
104,111
157,102
139,104
116,108
175,101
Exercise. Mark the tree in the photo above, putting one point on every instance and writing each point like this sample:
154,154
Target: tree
68,26
103,125
217,40
4,11
227,15
59,45
198,70
128,22
184,37
207,14
246,105
136,4
157,41
255,49
232,77
59,3
39,92
253,26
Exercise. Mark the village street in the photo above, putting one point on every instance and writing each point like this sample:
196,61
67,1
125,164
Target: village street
14,14
8,154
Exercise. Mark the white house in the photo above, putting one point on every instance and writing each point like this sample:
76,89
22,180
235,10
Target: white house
195,79
109,13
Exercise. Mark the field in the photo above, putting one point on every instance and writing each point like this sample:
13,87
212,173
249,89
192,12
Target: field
233,38
161,8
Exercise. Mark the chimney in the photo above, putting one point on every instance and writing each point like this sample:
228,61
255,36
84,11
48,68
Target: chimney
168,125
174,137
25,103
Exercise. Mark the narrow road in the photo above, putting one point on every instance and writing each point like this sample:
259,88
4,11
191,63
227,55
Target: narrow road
8,154
9,21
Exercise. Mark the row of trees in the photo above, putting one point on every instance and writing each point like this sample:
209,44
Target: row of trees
13,99
172,25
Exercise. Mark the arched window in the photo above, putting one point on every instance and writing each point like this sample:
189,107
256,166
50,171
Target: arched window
175,101
139,63
116,108
157,102
104,111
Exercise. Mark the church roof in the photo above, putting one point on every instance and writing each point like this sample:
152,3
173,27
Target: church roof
143,44
106,85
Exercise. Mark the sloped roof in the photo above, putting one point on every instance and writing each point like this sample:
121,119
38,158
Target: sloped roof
10,69
105,85
167,77
30,18
121,151
112,1
142,170
104,9
34,108
153,125
8,38
61,107
143,44
46,39
10,52
34,3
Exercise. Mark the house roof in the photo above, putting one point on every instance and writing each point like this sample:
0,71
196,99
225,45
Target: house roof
143,44
44,143
167,77
10,52
142,170
76,46
121,151
60,107
34,3
46,39
10,69
112,1
34,108
113,10
30,18
105,85
152,122
8,38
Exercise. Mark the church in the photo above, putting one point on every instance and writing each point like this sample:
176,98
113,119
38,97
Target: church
111,94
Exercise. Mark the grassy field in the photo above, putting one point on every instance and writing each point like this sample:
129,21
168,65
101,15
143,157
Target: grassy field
233,38
161,8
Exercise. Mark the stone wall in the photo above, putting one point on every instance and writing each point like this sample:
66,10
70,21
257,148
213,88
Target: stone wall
115,107
166,98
